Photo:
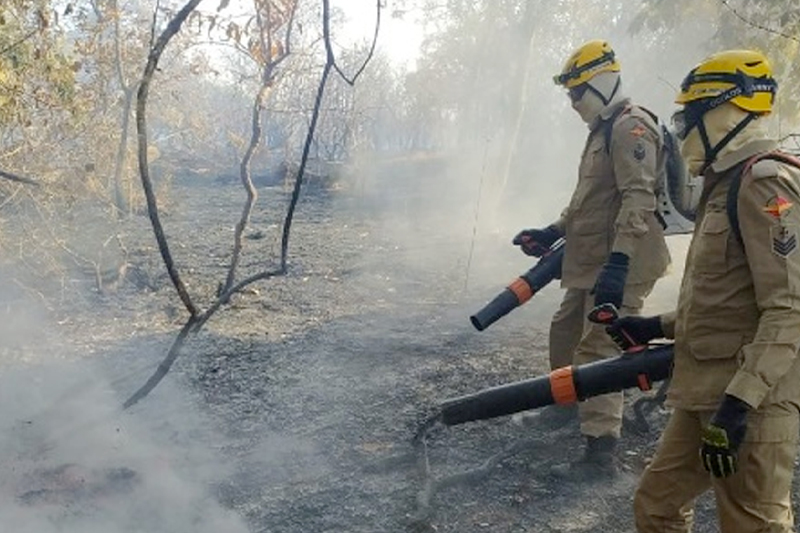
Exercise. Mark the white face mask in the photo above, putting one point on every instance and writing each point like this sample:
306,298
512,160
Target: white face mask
693,152
591,104
718,122
588,107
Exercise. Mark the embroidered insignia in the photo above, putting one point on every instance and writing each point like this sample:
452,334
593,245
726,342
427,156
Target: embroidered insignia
777,206
638,130
784,240
639,151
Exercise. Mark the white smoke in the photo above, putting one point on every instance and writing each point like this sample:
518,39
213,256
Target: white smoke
71,462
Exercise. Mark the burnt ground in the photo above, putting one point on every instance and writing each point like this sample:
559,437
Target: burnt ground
293,411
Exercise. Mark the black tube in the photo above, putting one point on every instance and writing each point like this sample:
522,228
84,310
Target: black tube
497,401
546,269
633,369
637,369
504,303
522,288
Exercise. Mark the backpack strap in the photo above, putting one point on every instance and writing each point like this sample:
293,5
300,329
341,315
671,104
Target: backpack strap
732,202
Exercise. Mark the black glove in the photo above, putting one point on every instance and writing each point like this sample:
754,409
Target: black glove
722,437
630,331
536,242
610,283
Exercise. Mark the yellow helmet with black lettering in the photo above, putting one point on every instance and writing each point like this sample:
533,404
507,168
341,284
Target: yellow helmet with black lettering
586,62
741,77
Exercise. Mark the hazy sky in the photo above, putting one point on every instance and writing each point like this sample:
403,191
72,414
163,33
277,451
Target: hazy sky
399,38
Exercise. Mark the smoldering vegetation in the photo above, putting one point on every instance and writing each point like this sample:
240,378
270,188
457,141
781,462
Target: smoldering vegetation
73,462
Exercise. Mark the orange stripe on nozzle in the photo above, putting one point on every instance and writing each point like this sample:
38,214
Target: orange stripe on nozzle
562,386
521,290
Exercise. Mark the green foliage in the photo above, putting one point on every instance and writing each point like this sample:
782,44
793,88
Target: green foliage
36,73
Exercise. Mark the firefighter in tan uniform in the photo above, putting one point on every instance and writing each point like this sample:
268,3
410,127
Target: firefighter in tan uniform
735,387
615,249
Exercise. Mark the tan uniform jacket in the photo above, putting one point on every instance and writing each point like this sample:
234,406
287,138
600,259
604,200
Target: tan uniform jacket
737,326
613,206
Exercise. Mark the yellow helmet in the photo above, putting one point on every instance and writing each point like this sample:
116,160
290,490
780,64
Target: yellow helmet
586,62
742,77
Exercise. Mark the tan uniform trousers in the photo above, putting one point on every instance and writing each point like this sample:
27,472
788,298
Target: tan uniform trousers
575,340
754,499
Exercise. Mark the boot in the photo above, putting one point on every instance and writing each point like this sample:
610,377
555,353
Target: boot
597,463
551,417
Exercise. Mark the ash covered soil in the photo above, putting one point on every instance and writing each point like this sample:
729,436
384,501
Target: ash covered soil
293,410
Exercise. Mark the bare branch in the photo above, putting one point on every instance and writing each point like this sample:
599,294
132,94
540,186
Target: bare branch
329,62
19,41
155,21
196,320
15,177
172,28
756,25
267,79
794,137
165,365
371,49
225,296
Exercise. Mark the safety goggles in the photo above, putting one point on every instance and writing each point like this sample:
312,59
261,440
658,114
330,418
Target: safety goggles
683,120
575,72
577,92
741,83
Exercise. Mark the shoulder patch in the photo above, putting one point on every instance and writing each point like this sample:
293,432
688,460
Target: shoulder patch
765,168
639,151
638,130
636,122
784,240
777,206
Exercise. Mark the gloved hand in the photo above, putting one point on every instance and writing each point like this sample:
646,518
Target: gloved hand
536,242
630,331
610,284
723,436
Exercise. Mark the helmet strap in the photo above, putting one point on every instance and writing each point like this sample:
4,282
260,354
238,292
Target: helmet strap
712,152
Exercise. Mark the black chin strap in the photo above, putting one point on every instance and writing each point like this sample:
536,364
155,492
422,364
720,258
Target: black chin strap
712,152
600,95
